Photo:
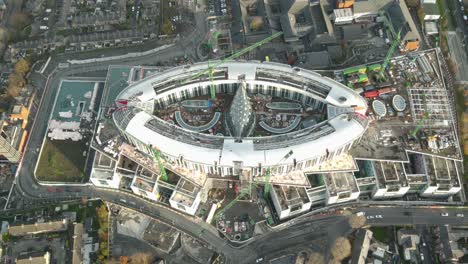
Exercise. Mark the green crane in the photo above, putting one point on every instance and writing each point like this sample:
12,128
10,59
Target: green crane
389,55
243,193
248,188
211,68
157,158
213,40
266,191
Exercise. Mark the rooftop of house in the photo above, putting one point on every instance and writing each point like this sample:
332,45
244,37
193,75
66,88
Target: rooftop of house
37,228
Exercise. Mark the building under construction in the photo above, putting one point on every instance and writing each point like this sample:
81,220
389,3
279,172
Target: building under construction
314,140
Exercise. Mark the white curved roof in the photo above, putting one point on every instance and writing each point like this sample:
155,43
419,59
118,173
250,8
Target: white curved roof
176,141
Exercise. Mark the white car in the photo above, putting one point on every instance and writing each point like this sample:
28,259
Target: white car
460,215
444,214
370,217
379,216
259,260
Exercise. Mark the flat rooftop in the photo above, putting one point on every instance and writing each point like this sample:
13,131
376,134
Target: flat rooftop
291,196
117,79
340,182
185,193
74,98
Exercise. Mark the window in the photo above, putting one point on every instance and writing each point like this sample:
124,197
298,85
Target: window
296,208
103,182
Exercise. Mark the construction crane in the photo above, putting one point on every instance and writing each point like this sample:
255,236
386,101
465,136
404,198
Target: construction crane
233,56
266,190
157,158
389,55
248,188
243,192
211,68
213,39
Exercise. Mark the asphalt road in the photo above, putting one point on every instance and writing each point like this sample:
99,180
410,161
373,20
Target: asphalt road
415,216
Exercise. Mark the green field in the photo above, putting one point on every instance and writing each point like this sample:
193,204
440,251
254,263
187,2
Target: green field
62,161
381,233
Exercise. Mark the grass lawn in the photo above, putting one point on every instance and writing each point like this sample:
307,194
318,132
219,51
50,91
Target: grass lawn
381,233
62,161
461,108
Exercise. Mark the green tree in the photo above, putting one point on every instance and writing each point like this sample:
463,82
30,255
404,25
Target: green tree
6,237
166,28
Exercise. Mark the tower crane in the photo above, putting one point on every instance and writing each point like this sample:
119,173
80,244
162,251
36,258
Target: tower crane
211,68
390,52
266,190
157,158
248,188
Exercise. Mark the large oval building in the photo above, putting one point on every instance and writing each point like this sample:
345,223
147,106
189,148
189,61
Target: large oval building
252,117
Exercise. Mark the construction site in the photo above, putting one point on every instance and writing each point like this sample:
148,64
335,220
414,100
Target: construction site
168,129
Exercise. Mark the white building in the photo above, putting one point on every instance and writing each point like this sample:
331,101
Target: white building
289,201
185,147
343,16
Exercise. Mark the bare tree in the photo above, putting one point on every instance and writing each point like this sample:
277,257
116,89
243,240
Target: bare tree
316,258
341,249
15,83
334,261
141,258
22,67
356,221
19,20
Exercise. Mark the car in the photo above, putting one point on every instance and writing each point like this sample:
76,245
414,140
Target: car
259,260
460,215
424,244
422,256
370,217
444,214
379,216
